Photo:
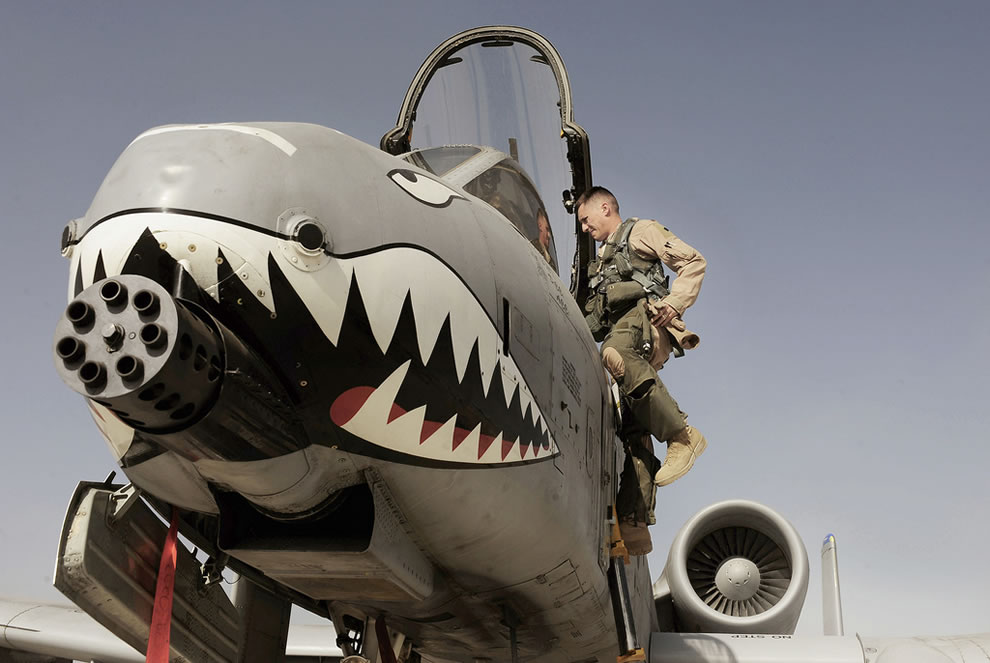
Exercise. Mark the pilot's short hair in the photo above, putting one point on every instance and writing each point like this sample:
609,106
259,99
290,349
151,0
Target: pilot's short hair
595,192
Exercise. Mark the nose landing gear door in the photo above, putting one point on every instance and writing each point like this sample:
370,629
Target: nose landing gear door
506,87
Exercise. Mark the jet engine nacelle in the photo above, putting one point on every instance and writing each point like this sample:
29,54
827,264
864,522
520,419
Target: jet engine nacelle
735,567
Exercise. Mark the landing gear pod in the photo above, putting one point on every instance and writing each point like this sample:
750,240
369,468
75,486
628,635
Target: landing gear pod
167,368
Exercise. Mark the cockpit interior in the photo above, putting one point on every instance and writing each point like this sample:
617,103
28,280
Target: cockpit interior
497,179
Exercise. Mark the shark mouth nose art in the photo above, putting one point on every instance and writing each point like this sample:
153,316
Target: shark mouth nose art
373,415
450,340
411,367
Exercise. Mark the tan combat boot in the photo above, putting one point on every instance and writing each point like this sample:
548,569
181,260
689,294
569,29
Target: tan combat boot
682,450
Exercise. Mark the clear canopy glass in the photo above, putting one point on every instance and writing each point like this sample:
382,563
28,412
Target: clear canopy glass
503,93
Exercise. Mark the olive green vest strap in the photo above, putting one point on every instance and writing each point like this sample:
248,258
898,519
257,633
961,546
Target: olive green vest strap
647,273
619,278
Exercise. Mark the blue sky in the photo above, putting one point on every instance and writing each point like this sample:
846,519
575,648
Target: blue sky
829,159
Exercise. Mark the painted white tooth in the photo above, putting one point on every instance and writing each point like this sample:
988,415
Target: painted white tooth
532,451
370,421
73,266
116,239
430,307
436,293
526,401
465,330
509,384
324,297
515,453
403,433
541,451
442,439
494,453
383,296
489,345
467,450
87,263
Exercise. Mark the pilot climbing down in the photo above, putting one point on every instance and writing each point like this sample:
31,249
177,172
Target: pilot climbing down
631,308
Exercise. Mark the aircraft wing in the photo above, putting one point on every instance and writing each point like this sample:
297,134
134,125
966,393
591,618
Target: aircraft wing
32,632
36,633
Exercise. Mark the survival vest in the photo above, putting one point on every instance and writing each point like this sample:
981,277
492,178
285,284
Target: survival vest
618,279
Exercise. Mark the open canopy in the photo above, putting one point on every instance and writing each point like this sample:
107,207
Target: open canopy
490,111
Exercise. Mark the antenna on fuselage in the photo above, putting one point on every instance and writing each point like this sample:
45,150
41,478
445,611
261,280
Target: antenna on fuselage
831,600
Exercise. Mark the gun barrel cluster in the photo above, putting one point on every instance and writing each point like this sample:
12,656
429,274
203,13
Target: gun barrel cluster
126,343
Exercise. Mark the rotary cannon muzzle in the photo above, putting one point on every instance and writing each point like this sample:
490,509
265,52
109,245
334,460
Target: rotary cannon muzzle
146,356
165,366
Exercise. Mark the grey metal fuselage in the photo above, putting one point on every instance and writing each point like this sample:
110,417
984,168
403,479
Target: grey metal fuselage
495,519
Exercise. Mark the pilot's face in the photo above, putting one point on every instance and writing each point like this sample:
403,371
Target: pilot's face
595,219
544,226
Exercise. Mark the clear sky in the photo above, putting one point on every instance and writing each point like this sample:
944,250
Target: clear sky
830,159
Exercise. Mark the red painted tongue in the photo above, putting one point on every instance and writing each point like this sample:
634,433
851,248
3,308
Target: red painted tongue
351,401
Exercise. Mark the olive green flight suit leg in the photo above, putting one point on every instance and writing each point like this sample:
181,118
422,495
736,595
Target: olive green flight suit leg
637,493
655,410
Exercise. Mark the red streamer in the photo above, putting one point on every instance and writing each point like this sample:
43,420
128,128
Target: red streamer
161,616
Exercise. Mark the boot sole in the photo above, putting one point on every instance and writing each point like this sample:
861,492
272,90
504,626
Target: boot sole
695,454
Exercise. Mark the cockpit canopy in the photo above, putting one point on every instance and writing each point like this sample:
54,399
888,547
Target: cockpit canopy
504,88
502,183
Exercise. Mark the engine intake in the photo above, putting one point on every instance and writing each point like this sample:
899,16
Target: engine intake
735,567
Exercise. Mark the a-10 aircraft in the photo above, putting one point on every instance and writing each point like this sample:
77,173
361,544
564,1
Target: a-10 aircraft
360,377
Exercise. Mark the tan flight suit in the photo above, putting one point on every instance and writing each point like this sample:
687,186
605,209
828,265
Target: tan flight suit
652,406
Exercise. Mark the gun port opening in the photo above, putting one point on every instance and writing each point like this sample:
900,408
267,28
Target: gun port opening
153,336
70,350
146,303
129,368
81,315
114,294
93,375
